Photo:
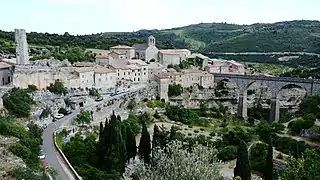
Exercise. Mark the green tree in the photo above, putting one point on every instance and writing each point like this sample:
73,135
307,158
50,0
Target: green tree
84,117
306,167
268,173
57,87
243,167
18,102
130,145
145,144
174,90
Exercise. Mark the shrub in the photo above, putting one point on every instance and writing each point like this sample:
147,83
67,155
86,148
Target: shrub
212,134
196,131
57,87
174,90
258,154
45,113
32,88
189,134
227,153
190,126
62,111
278,127
18,102
280,156
201,129
300,124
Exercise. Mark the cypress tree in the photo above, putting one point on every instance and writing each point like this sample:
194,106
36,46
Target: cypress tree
115,151
130,144
145,144
268,173
243,168
156,136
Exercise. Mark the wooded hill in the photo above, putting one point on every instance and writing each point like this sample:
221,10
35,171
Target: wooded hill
287,36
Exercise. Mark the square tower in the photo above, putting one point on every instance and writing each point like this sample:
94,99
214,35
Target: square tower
22,54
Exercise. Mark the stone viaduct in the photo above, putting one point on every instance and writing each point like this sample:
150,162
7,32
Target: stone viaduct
274,84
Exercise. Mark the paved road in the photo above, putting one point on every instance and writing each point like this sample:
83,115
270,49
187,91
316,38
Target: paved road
52,156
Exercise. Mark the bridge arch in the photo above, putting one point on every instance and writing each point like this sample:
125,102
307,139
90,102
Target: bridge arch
290,86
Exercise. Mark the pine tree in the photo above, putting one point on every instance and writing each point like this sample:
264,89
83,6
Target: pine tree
243,168
268,173
145,144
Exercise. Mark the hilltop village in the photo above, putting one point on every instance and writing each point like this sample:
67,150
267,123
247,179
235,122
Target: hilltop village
140,64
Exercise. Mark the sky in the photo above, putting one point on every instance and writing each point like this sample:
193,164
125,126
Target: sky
95,16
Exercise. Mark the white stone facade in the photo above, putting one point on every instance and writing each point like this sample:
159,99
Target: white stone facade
22,54
155,68
224,67
134,70
127,51
173,56
185,78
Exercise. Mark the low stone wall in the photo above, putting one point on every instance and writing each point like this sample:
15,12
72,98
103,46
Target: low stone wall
64,158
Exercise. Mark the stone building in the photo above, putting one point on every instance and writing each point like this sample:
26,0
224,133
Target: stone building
224,67
173,56
127,51
6,73
133,70
44,72
104,78
147,51
22,54
185,78
155,68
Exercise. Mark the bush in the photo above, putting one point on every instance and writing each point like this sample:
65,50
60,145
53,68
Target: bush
196,131
156,115
174,90
227,153
278,127
94,92
280,156
212,134
45,113
62,111
190,126
258,154
32,88
300,124
18,102
189,134
57,88
201,129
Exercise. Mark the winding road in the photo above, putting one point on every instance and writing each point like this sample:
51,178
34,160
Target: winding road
52,156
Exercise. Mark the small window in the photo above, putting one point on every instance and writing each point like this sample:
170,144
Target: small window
138,79
118,74
124,73
144,73
106,78
82,76
128,73
134,79
144,69
99,79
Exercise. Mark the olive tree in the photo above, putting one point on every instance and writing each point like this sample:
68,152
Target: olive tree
176,162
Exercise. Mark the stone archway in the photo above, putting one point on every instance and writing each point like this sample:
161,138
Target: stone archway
275,100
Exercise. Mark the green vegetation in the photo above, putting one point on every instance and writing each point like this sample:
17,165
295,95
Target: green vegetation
26,148
156,103
243,168
174,90
57,87
45,113
84,117
59,140
94,92
306,167
106,158
18,102
203,37
145,144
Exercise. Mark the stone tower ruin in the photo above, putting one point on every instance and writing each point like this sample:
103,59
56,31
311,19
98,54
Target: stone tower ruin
22,55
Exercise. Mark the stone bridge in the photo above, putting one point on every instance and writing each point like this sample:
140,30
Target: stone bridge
274,85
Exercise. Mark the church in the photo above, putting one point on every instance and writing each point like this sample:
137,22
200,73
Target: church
147,51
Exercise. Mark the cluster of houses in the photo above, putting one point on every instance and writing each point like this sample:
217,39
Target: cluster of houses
139,63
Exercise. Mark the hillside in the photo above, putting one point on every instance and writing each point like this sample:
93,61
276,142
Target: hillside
205,37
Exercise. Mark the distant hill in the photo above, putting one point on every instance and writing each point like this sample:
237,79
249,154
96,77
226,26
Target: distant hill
295,36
